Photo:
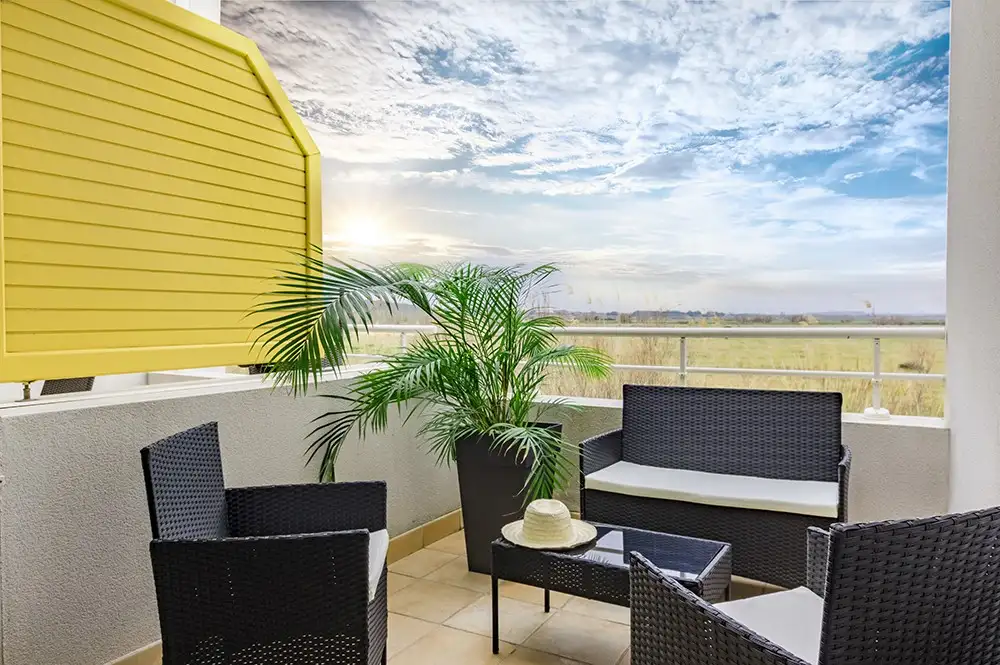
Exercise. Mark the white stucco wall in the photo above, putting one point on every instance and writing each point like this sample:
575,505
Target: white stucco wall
76,587
210,9
973,257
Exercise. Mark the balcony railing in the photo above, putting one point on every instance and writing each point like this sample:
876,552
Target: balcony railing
683,369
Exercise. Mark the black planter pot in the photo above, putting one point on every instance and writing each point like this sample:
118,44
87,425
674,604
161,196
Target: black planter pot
491,489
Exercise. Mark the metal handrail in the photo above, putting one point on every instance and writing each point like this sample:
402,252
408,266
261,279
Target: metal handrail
683,333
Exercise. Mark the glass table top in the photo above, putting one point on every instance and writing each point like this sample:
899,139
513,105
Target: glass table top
678,556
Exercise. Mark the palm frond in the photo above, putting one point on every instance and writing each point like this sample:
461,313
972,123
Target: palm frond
479,374
316,312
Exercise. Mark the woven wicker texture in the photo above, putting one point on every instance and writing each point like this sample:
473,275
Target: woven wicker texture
599,575
904,592
766,433
286,583
767,546
672,626
81,384
763,433
281,509
184,485
914,592
817,555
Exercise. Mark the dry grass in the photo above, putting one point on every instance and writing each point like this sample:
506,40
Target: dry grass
916,398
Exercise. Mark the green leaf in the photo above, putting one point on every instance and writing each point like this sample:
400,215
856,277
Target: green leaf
480,373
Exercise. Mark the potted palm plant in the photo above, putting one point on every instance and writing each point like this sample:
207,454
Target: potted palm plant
476,377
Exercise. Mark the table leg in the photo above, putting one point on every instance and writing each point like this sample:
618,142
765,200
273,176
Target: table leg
546,600
496,616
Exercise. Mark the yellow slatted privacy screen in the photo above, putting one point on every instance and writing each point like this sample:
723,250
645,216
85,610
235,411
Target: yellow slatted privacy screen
154,176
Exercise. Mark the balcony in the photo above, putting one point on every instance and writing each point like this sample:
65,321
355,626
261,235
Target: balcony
75,579
76,531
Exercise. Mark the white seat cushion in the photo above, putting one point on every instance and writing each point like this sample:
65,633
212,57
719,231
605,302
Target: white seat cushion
378,547
791,619
802,497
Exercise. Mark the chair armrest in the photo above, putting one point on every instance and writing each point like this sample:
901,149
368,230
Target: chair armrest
239,593
310,508
600,451
817,559
843,480
673,626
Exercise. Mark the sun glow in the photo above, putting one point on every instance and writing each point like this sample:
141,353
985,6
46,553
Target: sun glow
359,231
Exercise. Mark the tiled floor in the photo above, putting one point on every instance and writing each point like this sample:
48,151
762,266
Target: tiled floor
439,612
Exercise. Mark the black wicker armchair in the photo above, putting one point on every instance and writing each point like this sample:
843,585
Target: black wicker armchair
281,574
754,468
913,592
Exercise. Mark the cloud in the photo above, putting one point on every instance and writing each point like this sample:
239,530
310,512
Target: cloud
637,141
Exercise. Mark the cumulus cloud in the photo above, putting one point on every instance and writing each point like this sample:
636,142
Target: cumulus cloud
709,149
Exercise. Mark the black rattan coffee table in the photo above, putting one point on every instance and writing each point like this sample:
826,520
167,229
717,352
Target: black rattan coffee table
599,571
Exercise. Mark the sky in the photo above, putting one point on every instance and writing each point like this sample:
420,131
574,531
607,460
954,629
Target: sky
738,155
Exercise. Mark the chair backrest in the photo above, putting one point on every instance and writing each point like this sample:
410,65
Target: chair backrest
184,485
673,626
914,592
81,384
764,433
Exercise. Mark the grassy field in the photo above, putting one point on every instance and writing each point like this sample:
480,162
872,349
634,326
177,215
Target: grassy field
917,398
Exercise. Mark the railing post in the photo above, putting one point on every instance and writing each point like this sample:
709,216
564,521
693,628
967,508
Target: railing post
875,411
682,375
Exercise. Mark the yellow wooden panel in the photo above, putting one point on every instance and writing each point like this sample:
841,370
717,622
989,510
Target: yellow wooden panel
139,160
159,119
80,320
134,300
34,274
86,169
73,52
98,85
138,54
154,180
106,131
47,207
107,18
115,339
31,182
43,230
59,253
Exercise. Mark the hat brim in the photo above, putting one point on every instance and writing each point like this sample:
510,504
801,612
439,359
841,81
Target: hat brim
582,533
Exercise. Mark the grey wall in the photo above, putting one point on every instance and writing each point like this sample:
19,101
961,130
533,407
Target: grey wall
973,260
899,468
76,586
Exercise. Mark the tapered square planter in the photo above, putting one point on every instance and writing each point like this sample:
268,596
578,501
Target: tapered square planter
492,492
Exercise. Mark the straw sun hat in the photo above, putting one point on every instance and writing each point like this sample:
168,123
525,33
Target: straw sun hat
547,526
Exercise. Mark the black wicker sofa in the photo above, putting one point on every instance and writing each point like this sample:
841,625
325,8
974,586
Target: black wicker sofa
755,468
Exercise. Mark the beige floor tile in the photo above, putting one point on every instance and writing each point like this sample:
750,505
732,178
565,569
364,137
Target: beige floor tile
421,563
404,631
530,594
453,544
523,656
598,610
431,601
583,638
397,582
457,573
740,590
518,619
446,645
